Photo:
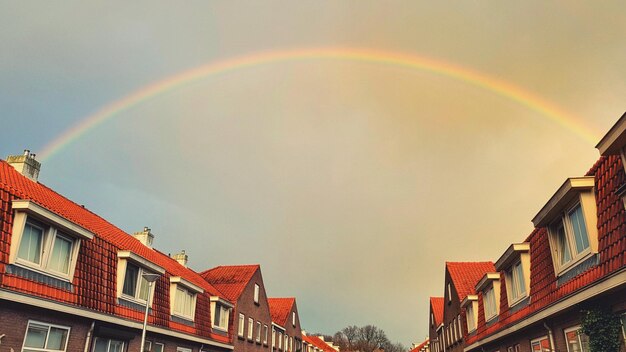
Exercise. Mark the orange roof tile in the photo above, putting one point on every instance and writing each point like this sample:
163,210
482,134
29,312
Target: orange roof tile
420,346
437,306
231,280
280,308
318,342
465,275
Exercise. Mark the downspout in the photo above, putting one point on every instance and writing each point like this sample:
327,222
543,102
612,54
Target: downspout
88,339
550,336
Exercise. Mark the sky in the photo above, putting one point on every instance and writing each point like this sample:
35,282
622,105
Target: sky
350,181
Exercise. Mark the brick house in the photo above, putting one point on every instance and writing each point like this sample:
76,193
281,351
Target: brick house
243,285
435,326
71,281
460,278
286,330
573,260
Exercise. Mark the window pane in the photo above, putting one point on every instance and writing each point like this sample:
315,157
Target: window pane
563,247
580,229
56,339
218,315
60,257
130,280
143,289
30,246
101,345
36,335
116,346
520,279
158,347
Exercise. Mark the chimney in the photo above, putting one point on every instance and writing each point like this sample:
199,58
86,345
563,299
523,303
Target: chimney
25,164
181,258
145,237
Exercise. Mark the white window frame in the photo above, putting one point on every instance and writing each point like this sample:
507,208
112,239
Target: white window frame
183,349
570,241
471,313
513,280
109,343
449,293
222,324
489,303
266,330
159,344
580,342
623,319
180,286
124,258
241,326
257,290
280,340
293,318
67,336
149,344
250,328
258,331
538,341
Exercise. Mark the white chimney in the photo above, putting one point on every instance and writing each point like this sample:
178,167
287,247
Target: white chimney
181,258
145,237
25,164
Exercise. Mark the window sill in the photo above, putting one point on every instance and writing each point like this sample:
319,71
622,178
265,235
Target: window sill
518,301
182,319
220,328
133,300
241,337
574,263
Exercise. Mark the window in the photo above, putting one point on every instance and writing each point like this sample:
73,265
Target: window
432,319
470,317
273,338
241,326
489,300
286,342
569,237
153,347
250,327
460,327
183,349
45,242
280,340
576,340
517,286
518,348
449,293
256,293
624,326
107,345
184,302
258,332
293,318
220,319
135,286
183,295
265,332
45,337
541,344
509,349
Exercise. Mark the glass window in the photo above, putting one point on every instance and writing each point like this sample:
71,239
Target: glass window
241,326
107,345
61,252
265,330
517,286
184,302
158,347
470,314
45,337
250,328
220,317
576,340
258,331
579,228
256,293
293,318
489,298
540,345
183,349
30,245
569,237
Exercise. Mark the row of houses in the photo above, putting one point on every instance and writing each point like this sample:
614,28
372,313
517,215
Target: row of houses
71,281
539,294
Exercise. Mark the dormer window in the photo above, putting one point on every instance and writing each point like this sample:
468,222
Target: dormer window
470,303
183,295
131,283
45,242
570,216
515,263
489,284
221,313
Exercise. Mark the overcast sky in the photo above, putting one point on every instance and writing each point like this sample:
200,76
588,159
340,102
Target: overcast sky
351,183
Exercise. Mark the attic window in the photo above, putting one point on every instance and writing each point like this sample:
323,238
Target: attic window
515,262
470,303
183,295
131,285
570,216
45,242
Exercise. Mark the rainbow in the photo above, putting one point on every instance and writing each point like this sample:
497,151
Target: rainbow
478,79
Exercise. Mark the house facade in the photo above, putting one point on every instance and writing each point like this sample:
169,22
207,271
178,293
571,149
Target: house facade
286,329
572,265
252,322
71,281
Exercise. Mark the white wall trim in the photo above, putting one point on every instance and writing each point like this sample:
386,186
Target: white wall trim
49,217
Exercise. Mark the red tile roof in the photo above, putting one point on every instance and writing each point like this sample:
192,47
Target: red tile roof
465,275
318,342
280,308
420,346
95,278
436,304
230,280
